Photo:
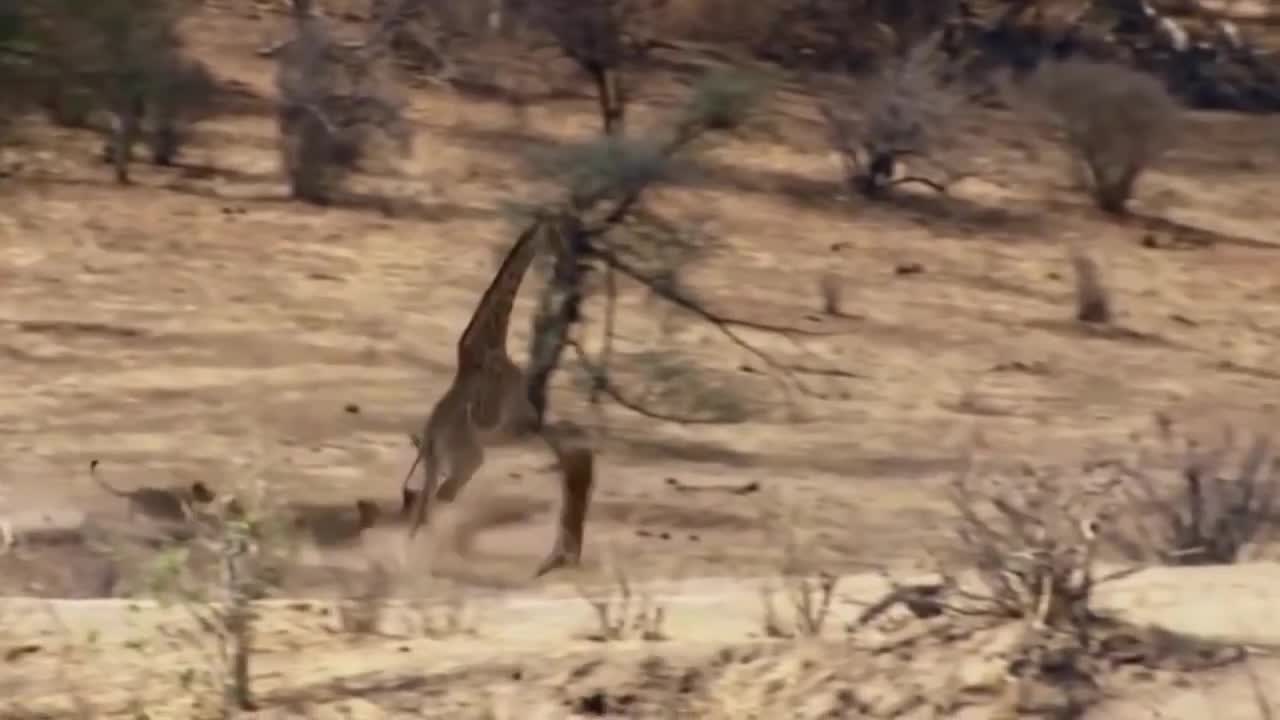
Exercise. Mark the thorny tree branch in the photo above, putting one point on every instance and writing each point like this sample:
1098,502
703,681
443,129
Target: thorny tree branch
600,383
579,242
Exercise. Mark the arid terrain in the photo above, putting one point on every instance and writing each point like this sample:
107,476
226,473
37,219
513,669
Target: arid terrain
199,325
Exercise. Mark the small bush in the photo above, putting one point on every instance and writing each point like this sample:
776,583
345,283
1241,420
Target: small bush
1116,120
1199,512
1033,547
905,113
336,102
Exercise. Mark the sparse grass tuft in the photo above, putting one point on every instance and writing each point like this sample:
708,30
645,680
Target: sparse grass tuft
808,588
1093,302
626,612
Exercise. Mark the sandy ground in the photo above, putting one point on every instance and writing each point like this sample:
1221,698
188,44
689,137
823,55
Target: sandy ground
199,326
482,655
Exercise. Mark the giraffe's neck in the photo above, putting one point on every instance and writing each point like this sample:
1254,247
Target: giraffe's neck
487,331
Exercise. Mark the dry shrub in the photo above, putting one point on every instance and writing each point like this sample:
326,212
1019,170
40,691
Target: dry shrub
1116,120
1093,303
906,112
808,588
1032,544
1196,510
336,103
627,611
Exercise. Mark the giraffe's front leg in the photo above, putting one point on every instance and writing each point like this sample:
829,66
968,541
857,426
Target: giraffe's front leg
577,468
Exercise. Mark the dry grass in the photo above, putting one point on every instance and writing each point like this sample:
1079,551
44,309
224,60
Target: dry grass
1093,302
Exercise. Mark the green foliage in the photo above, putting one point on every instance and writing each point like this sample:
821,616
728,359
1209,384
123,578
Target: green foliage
723,98
605,167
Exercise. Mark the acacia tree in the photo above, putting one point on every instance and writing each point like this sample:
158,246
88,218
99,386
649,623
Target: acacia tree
603,193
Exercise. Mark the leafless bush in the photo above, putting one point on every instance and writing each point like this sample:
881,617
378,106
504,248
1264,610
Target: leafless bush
1093,303
1116,120
336,102
906,113
809,597
1032,545
809,589
1198,511
627,611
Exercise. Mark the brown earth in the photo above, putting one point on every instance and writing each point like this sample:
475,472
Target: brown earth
200,326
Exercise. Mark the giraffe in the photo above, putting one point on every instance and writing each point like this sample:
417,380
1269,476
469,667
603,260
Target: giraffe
487,405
